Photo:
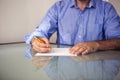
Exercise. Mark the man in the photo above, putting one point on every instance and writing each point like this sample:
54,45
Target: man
89,25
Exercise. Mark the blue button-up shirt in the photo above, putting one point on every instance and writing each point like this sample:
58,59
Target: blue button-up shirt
98,21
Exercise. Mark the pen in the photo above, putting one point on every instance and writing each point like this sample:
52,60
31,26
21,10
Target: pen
40,40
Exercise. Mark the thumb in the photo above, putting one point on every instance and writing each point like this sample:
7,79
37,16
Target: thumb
46,41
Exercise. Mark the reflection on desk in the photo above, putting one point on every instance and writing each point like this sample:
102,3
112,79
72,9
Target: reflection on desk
103,65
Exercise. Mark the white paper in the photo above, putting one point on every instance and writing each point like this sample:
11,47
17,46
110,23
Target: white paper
56,52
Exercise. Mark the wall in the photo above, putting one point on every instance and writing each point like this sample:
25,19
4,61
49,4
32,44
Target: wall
116,4
19,17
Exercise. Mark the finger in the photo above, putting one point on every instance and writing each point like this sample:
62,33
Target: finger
80,51
42,45
41,50
36,49
46,41
74,49
85,52
45,50
36,42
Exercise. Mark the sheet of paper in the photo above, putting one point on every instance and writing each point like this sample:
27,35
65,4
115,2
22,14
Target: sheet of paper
56,52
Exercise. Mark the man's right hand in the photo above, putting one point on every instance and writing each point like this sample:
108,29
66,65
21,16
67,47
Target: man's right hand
41,47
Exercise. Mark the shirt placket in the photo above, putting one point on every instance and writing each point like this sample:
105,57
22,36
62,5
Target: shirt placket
80,29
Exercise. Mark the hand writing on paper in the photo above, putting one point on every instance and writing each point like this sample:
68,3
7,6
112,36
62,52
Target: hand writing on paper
41,47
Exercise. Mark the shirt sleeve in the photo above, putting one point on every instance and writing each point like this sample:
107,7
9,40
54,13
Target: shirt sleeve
48,25
112,22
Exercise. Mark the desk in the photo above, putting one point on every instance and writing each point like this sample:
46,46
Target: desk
17,62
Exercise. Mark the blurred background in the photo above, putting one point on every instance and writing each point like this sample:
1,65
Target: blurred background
20,17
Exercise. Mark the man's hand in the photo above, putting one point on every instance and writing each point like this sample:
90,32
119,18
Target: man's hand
41,47
84,48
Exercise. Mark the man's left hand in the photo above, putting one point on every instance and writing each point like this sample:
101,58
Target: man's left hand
84,48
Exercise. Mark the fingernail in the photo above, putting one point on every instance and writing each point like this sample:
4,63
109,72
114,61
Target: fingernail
47,46
75,54
83,54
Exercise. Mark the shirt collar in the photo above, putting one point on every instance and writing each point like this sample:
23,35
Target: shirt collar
91,4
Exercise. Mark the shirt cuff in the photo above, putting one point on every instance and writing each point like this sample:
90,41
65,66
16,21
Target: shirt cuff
29,37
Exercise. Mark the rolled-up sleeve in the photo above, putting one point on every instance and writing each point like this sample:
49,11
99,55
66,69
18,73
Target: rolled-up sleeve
112,22
47,26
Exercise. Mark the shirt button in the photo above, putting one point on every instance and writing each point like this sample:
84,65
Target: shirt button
79,36
81,25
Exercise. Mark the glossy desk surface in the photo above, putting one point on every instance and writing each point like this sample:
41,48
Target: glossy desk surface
17,62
